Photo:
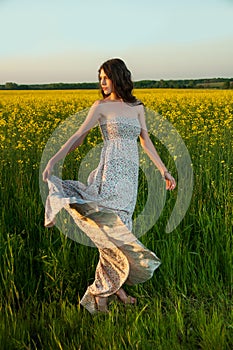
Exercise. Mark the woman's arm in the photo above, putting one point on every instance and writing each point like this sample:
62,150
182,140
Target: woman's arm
75,140
149,148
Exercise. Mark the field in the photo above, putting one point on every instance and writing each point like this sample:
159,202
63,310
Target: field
186,305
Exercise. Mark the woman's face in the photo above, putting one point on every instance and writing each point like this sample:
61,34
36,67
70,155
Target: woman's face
105,83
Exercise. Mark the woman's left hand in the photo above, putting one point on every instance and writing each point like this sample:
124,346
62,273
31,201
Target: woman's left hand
170,181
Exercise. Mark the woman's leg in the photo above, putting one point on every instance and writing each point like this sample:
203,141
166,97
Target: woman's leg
126,299
102,304
111,273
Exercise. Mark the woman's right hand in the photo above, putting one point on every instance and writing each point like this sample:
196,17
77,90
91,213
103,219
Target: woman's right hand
47,172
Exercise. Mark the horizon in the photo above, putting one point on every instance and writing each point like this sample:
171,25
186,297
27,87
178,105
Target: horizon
96,82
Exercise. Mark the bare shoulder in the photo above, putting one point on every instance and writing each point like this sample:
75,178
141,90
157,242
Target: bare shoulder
140,107
96,103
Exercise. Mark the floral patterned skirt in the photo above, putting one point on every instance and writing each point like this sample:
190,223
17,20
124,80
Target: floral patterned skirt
122,257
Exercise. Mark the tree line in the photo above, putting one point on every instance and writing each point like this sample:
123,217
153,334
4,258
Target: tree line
213,83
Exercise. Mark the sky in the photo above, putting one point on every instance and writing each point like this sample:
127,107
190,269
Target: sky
67,40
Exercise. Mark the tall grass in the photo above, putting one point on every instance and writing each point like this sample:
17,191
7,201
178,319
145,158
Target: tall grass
187,303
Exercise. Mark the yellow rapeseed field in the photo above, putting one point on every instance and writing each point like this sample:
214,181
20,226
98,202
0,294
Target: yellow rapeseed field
27,118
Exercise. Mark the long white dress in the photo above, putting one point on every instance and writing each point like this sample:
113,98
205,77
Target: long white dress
103,207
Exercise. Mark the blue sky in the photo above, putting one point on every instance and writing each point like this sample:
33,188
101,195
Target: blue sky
67,40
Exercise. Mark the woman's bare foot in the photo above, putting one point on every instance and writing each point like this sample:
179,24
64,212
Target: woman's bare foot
102,304
126,299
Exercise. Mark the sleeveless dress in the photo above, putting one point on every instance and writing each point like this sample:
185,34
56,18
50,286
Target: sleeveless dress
103,207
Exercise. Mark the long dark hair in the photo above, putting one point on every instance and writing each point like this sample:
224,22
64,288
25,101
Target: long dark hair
118,73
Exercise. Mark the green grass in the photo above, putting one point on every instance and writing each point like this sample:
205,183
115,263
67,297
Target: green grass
186,305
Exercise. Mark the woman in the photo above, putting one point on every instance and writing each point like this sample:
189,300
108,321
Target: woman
104,207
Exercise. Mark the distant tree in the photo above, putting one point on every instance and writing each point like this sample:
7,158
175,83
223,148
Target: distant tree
163,83
191,84
11,86
22,87
227,84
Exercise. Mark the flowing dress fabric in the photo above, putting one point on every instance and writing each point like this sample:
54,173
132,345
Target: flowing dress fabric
104,207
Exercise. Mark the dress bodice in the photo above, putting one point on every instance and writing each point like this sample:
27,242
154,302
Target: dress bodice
120,128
